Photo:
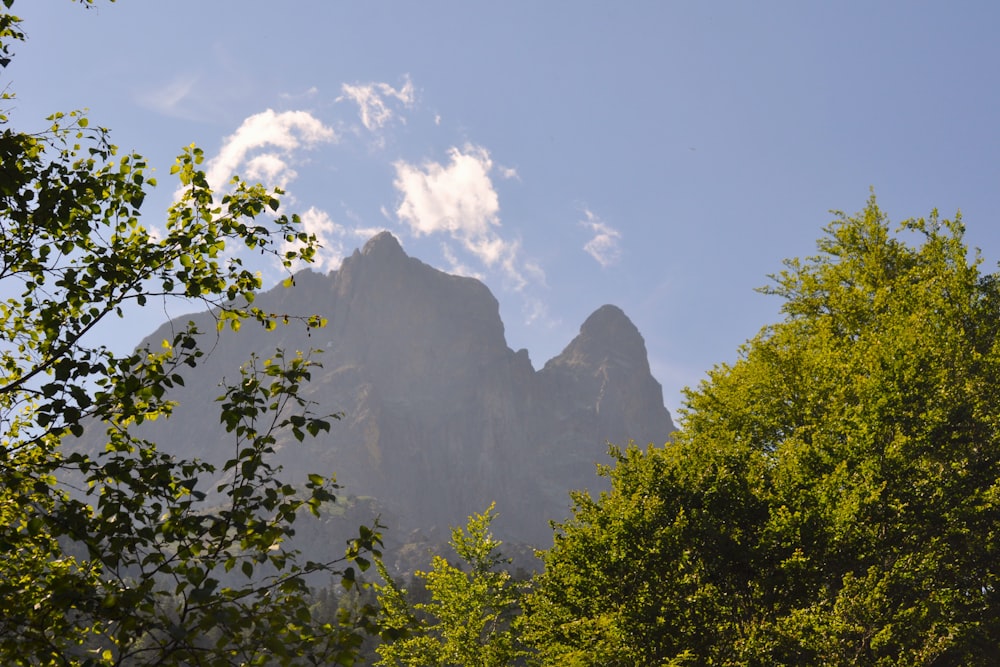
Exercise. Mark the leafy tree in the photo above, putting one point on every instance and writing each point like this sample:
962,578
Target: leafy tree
832,498
470,618
643,574
128,568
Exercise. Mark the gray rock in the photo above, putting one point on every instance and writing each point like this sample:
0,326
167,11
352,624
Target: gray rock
441,417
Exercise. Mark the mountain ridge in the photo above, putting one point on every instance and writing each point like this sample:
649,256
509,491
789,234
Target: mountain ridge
440,416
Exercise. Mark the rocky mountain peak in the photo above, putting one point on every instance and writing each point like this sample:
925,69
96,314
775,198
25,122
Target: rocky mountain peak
383,246
608,336
601,384
440,416
608,320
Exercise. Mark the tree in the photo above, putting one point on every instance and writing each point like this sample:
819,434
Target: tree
126,568
470,618
652,572
832,498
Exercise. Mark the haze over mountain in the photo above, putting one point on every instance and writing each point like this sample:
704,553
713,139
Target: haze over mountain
440,416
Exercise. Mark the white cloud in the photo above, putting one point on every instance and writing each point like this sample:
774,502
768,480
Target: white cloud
281,133
604,246
264,147
372,100
269,168
458,199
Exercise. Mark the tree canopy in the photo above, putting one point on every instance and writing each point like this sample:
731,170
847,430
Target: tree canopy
833,497
471,618
115,558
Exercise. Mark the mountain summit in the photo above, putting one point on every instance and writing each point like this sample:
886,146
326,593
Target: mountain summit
440,416
384,245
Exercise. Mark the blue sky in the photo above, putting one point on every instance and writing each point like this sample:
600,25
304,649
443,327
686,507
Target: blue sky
661,156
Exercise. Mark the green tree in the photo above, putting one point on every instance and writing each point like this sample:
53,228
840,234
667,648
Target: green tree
832,498
471,617
127,569
654,571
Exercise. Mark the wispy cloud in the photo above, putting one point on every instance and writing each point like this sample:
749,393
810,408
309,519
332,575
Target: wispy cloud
264,147
374,99
604,245
308,93
458,199
170,98
536,311
459,267
508,173
365,233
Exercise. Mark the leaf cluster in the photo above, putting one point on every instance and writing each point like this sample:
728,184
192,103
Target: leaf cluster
471,618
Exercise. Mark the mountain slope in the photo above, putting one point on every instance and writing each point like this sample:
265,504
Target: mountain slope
441,417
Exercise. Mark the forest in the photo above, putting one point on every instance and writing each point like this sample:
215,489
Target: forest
830,498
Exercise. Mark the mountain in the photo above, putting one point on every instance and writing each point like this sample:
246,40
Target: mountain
440,416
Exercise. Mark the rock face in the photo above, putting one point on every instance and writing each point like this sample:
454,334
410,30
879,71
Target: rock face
441,417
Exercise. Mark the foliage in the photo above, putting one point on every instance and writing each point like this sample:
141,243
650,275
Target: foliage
638,576
832,498
127,567
470,617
